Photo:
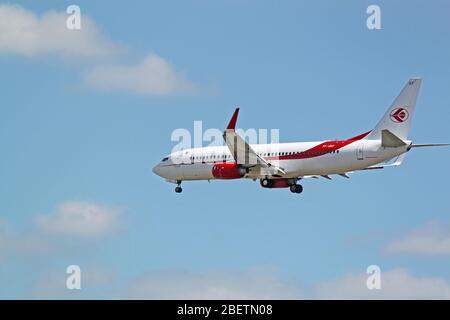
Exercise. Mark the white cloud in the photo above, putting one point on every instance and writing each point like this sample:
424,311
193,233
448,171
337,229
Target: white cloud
52,234
83,219
24,33
210,285
395,284
25,243
431,239
153,76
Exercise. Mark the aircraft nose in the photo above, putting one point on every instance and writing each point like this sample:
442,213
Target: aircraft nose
157,170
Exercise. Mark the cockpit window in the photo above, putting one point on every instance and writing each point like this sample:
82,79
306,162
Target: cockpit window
165,159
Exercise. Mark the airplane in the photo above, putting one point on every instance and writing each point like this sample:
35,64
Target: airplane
282,165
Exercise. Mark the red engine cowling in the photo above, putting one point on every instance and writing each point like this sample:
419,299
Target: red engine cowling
228,170
276,183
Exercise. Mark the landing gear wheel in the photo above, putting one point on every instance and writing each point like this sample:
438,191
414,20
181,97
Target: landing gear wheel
266,183
296,188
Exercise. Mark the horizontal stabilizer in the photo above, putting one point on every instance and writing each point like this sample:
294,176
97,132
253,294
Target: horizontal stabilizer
430,145
390,140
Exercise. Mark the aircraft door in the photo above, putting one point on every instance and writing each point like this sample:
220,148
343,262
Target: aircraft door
360,151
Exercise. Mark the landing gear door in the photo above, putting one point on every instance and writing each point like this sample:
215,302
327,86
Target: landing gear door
360,151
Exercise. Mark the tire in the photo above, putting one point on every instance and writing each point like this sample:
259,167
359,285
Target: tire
178,189
298,188
266,183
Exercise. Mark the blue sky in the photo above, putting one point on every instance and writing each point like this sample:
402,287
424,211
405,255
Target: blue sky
76,143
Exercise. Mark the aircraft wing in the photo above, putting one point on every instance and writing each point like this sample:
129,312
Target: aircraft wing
393,162
243,153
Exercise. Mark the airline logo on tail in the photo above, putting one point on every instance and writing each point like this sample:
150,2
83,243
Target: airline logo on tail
399,115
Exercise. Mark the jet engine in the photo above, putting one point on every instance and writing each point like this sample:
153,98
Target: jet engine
228,170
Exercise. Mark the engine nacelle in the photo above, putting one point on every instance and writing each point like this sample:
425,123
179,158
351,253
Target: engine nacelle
277,183
228,170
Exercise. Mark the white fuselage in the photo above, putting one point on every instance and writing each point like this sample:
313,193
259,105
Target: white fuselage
298,159
282,165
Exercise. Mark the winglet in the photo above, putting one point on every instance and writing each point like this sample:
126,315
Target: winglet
232,123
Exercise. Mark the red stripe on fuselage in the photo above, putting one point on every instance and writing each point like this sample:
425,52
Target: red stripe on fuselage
319,150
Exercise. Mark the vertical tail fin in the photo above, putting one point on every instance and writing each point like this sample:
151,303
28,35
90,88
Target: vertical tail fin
399,116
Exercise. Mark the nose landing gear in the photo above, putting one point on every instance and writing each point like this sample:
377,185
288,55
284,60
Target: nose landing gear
178,188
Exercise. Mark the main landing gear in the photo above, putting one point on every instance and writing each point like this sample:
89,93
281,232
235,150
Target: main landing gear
296,188
290,183
178,188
